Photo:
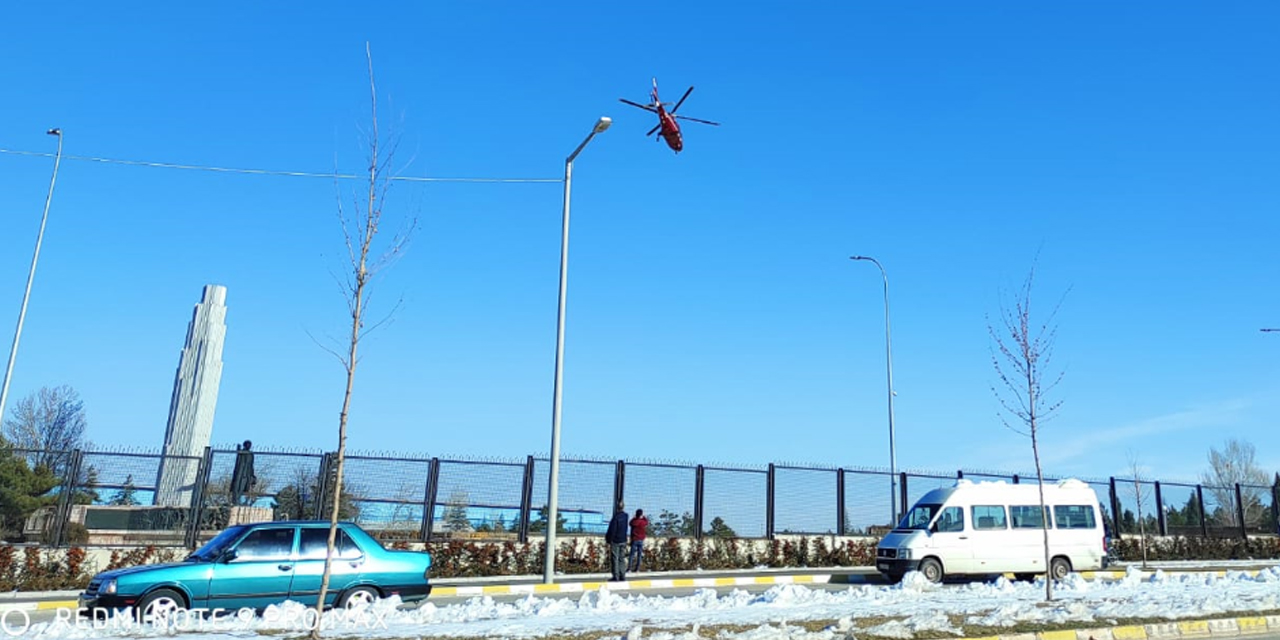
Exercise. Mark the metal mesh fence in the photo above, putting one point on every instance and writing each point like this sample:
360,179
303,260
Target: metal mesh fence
665,492
1257,509
487,496
1137,506
1216,507
388,494
867,502
1181,509
804,500
734,501
585,500
920,484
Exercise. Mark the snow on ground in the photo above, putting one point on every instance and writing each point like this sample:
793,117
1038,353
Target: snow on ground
919,604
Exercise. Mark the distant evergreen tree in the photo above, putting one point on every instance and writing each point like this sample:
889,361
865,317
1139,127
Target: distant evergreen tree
720,530
126,497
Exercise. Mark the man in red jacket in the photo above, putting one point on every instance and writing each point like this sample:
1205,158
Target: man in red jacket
638,526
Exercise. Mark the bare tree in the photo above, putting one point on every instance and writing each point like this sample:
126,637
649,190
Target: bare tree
1022,350
1141,494
1233,465
51,422
359,230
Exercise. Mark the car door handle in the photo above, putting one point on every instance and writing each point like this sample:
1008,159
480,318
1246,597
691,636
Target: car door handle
964,537
284,567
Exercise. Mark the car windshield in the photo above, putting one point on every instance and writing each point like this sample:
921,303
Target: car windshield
214,548
919,517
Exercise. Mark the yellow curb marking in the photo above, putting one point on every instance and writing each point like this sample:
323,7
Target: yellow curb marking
60,604
1058,635
683,582
1131,632
1252,624
1194,628
726,582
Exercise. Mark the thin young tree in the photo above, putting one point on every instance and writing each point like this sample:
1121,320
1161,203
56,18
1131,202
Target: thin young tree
1140,496
1022,351
359,230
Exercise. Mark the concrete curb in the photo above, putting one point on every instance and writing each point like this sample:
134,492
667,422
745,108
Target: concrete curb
1220,628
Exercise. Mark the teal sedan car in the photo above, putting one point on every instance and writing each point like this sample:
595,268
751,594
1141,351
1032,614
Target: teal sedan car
261,564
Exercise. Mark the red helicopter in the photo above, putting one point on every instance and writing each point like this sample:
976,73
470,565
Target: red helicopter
667,119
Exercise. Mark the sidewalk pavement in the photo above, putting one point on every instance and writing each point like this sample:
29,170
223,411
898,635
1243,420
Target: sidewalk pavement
644,581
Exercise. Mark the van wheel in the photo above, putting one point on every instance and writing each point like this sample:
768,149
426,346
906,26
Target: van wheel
932,569
1059,568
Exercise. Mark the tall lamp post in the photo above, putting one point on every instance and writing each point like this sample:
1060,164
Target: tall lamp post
888,356
31,276
553,491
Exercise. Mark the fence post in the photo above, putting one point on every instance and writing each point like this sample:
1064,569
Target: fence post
959,474
1204,521
1115,509
198,492
526,501
902,497
66,497
322,486
699,483
768,502
1275,505
619,484
840,514
1244,529
1161,522
429,500
1017,479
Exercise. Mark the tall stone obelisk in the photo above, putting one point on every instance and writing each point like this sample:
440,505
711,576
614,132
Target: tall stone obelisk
195,394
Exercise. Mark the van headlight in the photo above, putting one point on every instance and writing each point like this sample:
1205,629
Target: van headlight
108,587
904,553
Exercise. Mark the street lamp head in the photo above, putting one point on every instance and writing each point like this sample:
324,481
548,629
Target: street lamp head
54,132
603,124
857,257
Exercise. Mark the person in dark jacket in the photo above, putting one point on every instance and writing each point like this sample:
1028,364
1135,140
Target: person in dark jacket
616,536
638,526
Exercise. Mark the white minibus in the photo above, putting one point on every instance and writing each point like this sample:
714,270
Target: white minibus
984,528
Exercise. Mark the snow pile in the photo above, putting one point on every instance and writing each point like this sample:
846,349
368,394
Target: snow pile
917,605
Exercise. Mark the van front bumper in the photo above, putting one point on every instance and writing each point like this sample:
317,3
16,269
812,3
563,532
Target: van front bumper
896,567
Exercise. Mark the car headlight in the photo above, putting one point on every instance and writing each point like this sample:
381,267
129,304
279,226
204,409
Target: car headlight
904,553
108,587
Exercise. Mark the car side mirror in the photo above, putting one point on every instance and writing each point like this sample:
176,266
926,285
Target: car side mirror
229,555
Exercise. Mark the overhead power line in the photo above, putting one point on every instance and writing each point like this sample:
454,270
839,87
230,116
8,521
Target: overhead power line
270,172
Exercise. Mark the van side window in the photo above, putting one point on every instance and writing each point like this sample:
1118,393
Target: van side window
989,517
1024,516
1073,516
952,519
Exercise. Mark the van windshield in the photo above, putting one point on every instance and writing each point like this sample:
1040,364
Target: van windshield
919,517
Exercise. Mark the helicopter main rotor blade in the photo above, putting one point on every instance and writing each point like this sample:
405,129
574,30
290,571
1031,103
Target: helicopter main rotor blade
698,120
681,100
637,104
654,129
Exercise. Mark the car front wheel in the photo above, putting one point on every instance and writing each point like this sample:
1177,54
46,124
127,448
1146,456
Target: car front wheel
159,606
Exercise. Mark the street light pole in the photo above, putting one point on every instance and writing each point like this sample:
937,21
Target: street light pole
31,275
888,356
553,491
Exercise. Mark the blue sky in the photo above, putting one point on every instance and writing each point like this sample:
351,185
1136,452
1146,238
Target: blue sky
713,312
